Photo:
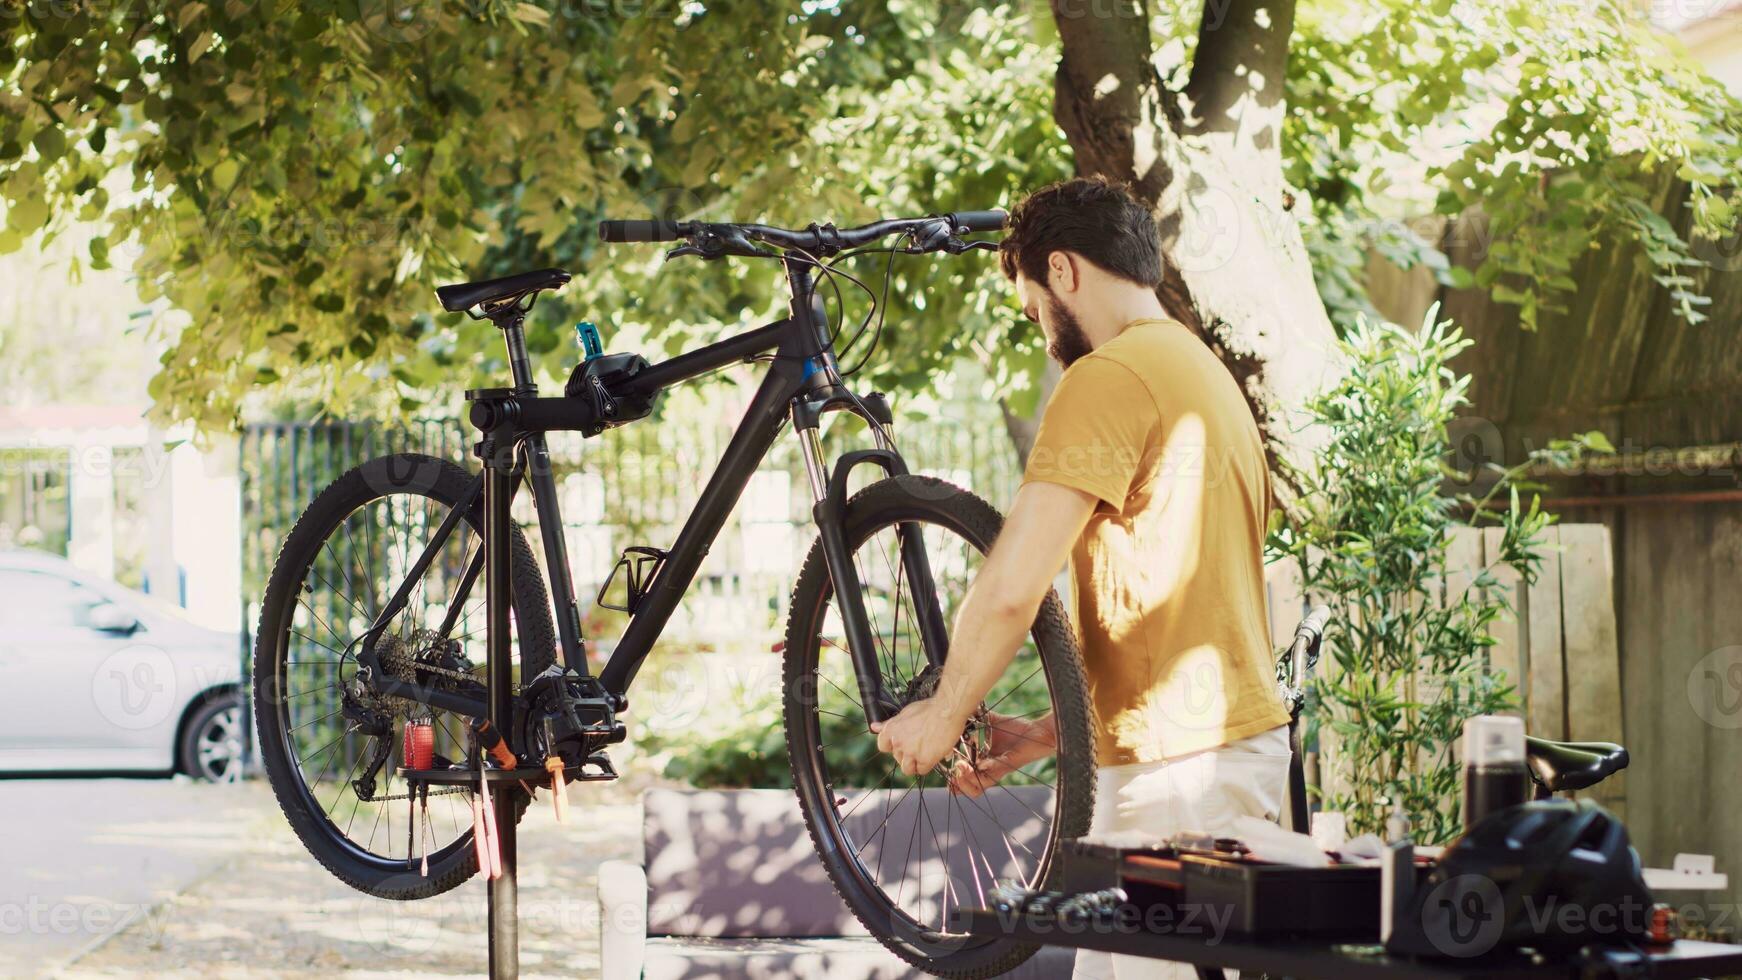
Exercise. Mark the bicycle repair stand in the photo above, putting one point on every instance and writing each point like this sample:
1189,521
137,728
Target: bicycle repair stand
503,891
504,898
493,414
497,455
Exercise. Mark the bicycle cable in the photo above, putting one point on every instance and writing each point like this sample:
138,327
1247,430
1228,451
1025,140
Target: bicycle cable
879,307
840,302
879,303
876,305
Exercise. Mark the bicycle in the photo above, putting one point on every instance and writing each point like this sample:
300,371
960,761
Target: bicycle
866,634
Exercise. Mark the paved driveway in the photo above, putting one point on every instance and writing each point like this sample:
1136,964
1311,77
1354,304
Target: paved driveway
85,857
125,878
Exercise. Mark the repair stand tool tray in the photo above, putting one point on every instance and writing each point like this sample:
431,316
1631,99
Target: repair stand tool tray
1255,898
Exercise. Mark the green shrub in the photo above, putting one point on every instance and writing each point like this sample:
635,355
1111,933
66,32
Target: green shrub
750,751
1406,658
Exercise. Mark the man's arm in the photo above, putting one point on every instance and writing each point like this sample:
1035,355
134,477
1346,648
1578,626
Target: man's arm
1043,526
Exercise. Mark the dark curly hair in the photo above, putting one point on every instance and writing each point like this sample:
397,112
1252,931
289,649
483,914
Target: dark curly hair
1095,218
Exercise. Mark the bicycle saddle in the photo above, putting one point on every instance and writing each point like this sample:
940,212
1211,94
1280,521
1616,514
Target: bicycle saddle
465,295
1572,765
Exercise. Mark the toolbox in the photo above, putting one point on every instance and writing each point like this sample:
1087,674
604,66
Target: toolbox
1254,898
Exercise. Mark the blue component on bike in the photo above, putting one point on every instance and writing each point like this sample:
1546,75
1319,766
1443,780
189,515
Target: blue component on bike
812,366
588,335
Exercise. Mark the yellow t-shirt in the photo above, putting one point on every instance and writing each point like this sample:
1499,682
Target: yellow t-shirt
1168,577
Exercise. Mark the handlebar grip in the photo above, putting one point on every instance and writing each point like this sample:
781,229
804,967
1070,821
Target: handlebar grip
1313,626
651,230
979,220
1303,653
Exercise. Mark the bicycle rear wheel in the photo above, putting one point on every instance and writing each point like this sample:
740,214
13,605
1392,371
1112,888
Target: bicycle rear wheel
328,744
904,851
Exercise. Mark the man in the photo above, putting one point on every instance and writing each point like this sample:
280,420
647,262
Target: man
1148,474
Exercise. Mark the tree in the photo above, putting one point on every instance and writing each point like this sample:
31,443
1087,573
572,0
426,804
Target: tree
303,173
1224,149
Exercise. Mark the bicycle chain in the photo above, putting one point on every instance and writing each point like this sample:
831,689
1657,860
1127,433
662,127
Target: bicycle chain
406,796
395,660
433,669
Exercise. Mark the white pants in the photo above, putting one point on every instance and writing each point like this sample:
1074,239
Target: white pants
1149,802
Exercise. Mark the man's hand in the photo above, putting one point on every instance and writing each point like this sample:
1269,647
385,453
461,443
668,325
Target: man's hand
920,735
1013,743
1043,526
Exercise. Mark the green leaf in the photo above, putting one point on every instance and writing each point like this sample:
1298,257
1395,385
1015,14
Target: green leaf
224,174
27,215
50,143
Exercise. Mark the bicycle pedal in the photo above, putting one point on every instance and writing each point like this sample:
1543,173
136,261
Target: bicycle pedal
597,768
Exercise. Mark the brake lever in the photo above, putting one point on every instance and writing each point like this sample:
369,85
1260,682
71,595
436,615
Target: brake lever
955,246
711,244
740,244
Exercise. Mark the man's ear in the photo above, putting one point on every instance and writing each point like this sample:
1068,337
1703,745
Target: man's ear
1061,272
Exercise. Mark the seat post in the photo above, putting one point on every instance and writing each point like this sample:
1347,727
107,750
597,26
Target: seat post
510,318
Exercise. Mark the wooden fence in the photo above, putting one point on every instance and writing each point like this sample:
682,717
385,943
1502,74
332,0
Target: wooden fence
1559,649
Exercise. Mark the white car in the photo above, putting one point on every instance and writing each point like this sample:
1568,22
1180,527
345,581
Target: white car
97,677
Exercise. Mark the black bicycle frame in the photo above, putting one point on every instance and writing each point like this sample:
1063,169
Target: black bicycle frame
802,383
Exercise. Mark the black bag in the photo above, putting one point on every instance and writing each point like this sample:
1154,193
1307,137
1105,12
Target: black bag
605,383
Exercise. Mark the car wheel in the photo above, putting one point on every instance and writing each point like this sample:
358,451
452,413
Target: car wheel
214,741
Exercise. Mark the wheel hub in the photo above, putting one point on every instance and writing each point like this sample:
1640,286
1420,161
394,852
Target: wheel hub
423,658
923,685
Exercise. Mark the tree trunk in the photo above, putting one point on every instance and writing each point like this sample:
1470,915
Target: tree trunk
1023,429
1209,160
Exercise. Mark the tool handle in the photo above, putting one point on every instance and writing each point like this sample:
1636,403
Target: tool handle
492,741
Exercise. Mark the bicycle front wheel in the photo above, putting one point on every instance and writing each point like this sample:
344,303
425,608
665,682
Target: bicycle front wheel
904,851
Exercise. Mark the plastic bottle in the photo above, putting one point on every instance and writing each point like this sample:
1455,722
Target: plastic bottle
1494,773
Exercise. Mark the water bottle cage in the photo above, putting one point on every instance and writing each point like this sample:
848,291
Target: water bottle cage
639,564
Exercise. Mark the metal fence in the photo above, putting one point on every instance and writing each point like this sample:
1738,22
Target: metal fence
630,486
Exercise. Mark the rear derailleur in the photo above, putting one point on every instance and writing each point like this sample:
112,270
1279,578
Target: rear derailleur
366,719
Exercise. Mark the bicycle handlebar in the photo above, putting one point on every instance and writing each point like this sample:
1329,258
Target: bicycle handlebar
642,231
1313,626
712,240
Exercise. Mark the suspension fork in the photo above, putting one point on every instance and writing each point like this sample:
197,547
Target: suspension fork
829,491
934,633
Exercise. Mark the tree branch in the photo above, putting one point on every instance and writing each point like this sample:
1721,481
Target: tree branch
1236,85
